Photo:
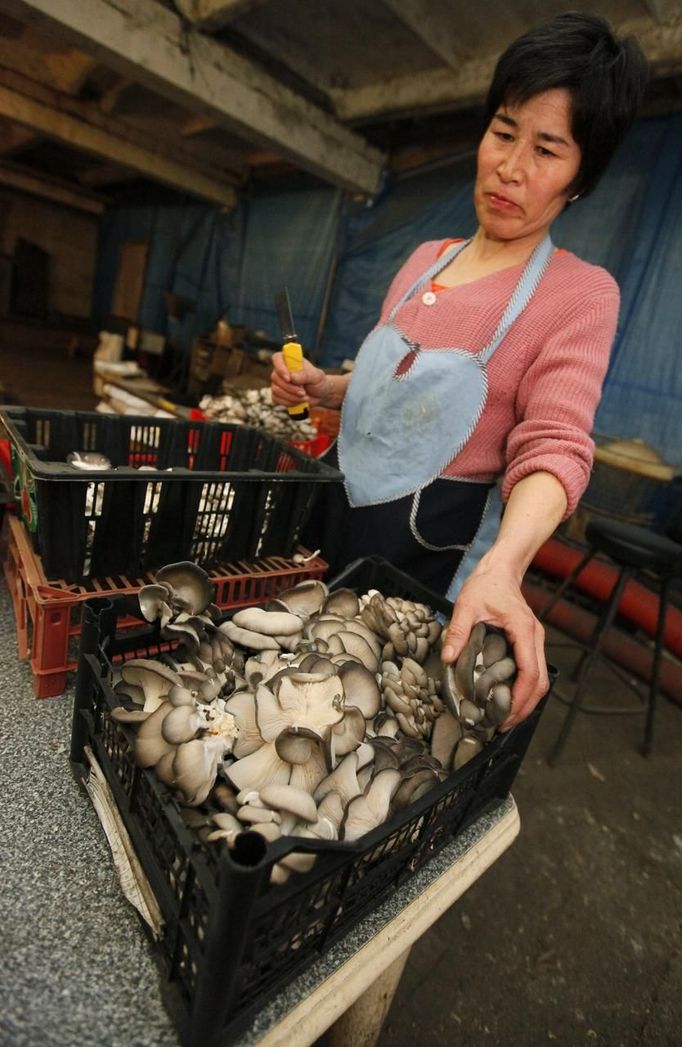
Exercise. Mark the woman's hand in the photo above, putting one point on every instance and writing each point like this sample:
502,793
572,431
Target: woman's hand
492,593
495,598
290,388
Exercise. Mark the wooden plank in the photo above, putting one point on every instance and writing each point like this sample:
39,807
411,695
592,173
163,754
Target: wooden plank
215,14
154,46
435,26
49,189
325,1005
74,131
449,90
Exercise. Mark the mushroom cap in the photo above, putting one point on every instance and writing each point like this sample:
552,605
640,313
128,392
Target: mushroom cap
195,768
306,598
311,700
464,667
190,585
181,724
259,769
308,775
150,745
343,780
358,646
153,599
498,672
446,733
346,735
344,602
270,623
367,811
295,744
155,679
466,749
242,705
248,638
494,648
290,799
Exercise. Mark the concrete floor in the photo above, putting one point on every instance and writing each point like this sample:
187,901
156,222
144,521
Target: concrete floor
573,936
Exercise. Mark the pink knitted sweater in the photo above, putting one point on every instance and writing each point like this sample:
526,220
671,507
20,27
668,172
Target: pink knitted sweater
544,381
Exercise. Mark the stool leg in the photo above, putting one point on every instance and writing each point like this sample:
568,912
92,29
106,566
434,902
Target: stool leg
607,616
656,667
568,580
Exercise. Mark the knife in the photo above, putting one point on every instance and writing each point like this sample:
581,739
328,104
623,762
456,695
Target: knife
291,348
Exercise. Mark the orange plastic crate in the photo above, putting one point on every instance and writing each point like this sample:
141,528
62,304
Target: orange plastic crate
48,613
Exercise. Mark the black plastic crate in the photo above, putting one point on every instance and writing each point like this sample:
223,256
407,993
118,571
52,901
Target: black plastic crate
231,941
221,493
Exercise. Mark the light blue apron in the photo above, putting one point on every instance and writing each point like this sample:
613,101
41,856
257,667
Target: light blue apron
393,441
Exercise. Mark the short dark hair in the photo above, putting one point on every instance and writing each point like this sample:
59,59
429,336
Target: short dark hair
605,74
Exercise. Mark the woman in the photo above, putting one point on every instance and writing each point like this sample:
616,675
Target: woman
489,356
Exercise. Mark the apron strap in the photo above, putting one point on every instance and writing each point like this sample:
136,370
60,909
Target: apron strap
523,292
531,276
484,538
428,276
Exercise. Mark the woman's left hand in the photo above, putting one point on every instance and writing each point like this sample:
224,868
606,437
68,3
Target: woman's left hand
494,597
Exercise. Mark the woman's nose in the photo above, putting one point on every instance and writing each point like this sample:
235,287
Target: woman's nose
510,167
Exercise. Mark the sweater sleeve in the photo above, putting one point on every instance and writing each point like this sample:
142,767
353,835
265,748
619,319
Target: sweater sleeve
558,396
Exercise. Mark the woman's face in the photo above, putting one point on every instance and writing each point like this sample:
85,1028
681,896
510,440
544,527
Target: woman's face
527,160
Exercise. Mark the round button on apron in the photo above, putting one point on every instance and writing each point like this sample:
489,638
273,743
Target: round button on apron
428,298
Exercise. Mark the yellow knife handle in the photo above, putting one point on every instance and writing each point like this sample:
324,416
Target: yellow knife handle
293,358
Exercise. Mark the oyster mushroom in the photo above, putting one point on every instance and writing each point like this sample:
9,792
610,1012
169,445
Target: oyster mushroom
343,780
290,800
247,638
498,672
150,745
195,767
367,811
308,775
270,623
154,679
306,598
346,735
259,769
446,733
242,706
191,588
154,603
181,724
343,602
310,700
467,748
228,827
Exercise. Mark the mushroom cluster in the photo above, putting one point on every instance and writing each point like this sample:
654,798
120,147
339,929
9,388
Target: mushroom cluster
255,407
477,696
291,719
408,629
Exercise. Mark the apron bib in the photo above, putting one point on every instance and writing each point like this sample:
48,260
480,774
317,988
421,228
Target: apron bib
392,440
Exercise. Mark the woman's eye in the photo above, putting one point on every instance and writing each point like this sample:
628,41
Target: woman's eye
544,152
504,136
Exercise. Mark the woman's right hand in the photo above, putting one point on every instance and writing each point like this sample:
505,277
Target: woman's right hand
290,388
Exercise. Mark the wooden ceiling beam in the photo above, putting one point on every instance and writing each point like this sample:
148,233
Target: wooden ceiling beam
45,116
446,89
215,14
155,47
436,26
50,189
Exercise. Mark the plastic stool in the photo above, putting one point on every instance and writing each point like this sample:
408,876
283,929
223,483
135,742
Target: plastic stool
632,549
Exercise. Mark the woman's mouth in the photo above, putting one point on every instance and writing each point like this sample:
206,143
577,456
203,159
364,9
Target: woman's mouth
500,203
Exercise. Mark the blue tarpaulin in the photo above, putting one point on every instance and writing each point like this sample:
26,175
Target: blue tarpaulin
234,264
